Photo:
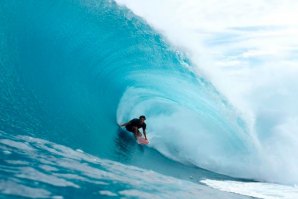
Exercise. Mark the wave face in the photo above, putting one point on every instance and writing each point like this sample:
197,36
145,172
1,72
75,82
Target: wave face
71,69
43,169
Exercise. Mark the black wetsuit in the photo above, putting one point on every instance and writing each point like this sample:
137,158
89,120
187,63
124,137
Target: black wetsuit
135,122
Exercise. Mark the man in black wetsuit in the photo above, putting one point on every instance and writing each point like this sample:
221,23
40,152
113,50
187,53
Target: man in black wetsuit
134,125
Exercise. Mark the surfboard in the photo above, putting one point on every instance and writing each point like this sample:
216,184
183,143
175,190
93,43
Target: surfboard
141,140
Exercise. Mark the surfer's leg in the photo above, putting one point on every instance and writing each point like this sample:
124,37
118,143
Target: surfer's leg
139,133
136,132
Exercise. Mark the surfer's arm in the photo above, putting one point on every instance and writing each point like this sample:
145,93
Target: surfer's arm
144,132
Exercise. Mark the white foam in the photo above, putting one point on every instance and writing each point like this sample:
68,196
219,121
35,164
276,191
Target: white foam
107,193
14,188
247,49
75,169
80,150
255,189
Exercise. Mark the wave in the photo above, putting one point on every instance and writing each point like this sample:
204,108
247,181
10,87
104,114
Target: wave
37,168
247,51
71,70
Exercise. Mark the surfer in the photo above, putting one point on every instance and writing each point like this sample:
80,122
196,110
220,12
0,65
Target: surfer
134,125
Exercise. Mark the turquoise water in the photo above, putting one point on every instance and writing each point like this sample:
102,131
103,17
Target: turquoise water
71,70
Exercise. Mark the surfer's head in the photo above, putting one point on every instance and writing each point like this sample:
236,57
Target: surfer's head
142,118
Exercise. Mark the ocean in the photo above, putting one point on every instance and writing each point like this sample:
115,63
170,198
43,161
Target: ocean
71,71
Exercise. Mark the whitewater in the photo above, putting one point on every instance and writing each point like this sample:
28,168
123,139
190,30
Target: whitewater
247,50
216,81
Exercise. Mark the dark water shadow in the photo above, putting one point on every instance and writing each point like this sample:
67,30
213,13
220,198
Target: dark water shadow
126,146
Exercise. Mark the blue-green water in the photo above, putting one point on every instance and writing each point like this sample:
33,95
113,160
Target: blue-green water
69,71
